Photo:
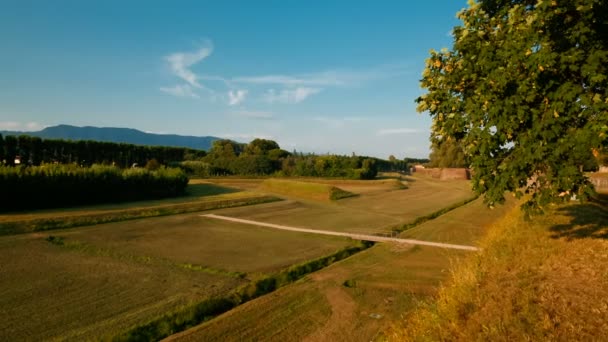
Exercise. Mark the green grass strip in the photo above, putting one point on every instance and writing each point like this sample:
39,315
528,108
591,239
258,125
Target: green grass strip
62,222
190,316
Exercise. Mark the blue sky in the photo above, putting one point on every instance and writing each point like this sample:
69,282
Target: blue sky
316,76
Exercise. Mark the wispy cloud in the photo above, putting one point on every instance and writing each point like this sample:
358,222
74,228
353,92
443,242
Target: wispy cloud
296,95
390,131
336,77
20,126
180,90
236,96
338,122
245,136
258,115
180,63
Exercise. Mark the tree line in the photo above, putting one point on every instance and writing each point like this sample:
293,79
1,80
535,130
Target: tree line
36,151
56,185
265,157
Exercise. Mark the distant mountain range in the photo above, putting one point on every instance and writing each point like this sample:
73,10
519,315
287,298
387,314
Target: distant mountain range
119,135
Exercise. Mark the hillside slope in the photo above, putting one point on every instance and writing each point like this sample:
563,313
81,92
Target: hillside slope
120,135
545,279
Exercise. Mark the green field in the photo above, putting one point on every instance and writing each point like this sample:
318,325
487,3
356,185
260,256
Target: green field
213,244
107,278
125,274
355,299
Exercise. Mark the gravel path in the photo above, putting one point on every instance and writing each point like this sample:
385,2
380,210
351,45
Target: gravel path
349,235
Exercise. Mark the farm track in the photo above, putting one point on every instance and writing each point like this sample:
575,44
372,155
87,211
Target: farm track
362,237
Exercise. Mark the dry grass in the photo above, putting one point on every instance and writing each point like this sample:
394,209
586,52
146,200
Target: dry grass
123,274
383,282
49,292
196,240
304,190
541,280
97,281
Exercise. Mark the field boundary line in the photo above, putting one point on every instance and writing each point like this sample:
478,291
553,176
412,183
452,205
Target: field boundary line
363,237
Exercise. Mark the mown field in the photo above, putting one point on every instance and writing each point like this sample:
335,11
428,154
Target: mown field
379,206
124,274
358,298
107,278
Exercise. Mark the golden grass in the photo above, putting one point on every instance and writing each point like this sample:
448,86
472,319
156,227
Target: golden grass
381,282
545,279
306,190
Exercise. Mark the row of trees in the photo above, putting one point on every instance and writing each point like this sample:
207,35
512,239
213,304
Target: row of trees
56,185
36,151
265,157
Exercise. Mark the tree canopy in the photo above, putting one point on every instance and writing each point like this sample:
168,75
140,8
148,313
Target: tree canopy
524,90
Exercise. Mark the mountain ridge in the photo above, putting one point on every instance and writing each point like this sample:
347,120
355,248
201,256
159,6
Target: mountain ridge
119,135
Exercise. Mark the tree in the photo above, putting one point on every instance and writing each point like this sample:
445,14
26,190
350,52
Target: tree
524,90
447,153
1,149
260,146
10,149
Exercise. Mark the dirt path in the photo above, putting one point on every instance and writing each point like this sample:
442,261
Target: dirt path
349,235
342,312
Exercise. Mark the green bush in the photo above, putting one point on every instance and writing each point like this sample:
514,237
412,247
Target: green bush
56,185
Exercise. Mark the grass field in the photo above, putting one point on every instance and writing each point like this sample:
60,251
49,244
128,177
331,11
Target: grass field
192,239
305,190
126,273
355,299
377,209
201,196
130,272
541,279
49,292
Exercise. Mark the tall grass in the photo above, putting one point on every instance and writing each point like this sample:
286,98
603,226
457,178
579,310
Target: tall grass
539,279
57,185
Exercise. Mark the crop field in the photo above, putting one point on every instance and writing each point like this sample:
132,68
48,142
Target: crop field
355,299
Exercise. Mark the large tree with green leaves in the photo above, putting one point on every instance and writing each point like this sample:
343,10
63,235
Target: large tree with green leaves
524,89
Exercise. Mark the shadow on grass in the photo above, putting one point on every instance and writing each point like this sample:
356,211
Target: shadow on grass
588,220
200,190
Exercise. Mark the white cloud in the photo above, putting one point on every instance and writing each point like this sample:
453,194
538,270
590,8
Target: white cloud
180,90
236,96
337,77
390,131
181,62
20,126
296,95
254,114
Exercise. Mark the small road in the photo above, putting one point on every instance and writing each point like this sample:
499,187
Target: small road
362,237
